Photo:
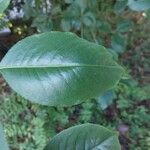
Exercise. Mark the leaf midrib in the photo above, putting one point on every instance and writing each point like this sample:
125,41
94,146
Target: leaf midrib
55,66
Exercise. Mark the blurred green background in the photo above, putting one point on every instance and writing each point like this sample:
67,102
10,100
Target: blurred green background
123,27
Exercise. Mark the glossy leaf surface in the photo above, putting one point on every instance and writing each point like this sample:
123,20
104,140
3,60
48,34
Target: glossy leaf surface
3,5
85,137
59,68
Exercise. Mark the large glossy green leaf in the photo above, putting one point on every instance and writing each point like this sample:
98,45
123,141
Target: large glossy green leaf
3,143
3,5
139,5
59,68
85,137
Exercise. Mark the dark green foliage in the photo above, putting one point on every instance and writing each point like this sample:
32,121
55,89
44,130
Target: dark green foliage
28,124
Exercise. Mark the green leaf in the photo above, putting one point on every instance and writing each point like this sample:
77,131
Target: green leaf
3,5
139,5
57,68
118,43
120,6
65,25
43,23
124,26
106,99
104,26
148,14
3,143
82,4
85,137
72,12
68,1
114,54
89,19
28,10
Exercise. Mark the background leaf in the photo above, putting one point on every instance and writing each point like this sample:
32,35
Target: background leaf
139,5
124,26
118,43
104,26
68,1
42,23
65,25
85,137
89,19
59,68
106,99
120,6
82,4
148,14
